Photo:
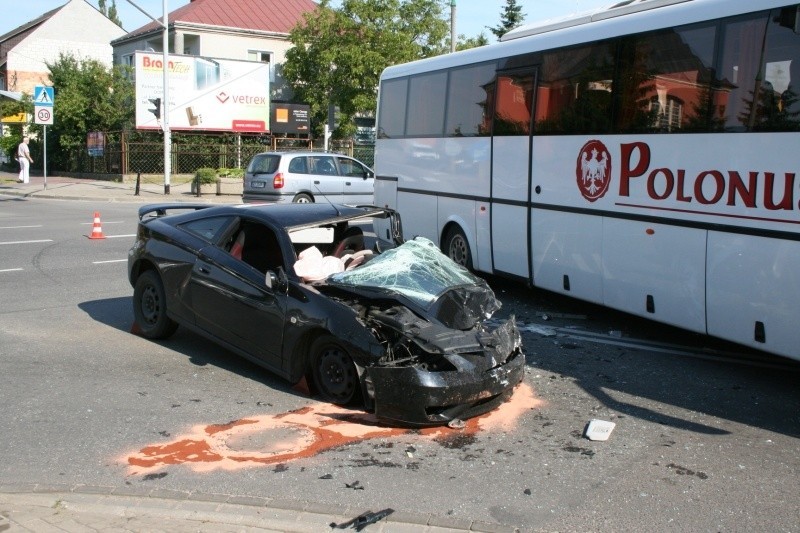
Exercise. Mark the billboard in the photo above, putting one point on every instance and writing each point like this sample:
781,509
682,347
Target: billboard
205,94
291,118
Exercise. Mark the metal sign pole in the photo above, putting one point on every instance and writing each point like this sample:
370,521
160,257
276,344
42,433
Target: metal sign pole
45,156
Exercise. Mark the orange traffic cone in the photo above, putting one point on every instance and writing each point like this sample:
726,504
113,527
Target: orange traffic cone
97,230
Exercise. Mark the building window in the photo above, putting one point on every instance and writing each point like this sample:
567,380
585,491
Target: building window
259,55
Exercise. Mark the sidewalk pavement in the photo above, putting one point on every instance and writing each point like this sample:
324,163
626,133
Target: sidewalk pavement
109,191
78,508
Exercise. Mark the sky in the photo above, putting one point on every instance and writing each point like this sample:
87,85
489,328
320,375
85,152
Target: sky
472,16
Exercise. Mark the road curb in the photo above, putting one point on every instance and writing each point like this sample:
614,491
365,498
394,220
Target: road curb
172,504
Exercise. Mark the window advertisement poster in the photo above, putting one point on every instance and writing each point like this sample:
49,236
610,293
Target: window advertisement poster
205,94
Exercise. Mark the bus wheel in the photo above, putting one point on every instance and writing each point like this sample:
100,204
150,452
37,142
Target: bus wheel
456,247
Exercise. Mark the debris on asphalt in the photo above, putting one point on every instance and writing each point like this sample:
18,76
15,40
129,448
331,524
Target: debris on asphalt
527,492
456,423
599,429
355,485
326,476
363,520
543,331
410,451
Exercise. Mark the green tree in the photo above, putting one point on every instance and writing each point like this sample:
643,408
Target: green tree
511,17
464,43
110,12
339,53
88,97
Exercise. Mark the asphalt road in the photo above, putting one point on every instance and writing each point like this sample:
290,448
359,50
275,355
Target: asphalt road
704,441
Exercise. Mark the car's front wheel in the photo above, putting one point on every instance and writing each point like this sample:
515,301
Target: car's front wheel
150,307
333,371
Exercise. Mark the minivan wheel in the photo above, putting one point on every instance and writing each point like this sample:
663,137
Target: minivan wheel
303,198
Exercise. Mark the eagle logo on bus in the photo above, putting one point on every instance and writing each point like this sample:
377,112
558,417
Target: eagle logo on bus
593,170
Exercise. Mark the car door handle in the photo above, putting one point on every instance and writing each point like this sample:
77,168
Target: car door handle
204,270
316,182
347,183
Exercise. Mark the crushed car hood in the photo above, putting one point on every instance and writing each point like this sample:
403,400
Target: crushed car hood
417,271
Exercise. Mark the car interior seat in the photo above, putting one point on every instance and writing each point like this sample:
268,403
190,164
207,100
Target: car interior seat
327,168
238,245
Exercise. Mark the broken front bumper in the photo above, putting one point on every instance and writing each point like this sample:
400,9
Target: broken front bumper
412,396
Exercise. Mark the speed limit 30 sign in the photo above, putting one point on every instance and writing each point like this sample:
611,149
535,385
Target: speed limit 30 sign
43,115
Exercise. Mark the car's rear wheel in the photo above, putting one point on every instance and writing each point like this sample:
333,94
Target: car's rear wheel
150,307
303,198
456,247
333,371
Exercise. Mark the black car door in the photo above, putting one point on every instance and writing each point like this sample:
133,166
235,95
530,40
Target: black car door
231,299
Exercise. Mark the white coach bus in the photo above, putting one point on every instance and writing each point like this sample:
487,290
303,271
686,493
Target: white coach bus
643,157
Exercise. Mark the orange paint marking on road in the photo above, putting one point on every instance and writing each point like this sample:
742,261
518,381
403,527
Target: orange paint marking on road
299,434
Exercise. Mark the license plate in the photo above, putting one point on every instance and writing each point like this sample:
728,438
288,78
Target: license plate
258,184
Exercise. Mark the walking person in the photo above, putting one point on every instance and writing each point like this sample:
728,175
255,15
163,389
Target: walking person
25,160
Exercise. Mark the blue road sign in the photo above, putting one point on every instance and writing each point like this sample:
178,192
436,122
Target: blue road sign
43,96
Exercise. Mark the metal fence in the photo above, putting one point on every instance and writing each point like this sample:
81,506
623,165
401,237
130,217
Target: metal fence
143,152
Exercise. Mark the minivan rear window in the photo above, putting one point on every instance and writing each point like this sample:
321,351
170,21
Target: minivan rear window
264,164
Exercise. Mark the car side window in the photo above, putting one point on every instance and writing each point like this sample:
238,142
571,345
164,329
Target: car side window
208,229
325,166
350,168
299,165
258,246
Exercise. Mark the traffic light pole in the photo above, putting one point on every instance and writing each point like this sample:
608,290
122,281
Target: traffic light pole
165,107
165,92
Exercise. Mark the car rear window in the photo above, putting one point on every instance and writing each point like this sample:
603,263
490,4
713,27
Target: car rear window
264,164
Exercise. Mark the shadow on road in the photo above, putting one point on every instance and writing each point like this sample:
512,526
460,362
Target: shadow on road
118,313
739,385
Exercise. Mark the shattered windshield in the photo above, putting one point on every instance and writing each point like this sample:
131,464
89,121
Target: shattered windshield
415,269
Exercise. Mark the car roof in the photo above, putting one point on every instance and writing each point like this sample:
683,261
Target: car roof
289,216
303,153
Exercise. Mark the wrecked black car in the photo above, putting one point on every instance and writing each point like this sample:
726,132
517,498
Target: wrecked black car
301,289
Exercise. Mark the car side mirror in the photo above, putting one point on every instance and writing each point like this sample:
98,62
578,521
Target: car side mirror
276,280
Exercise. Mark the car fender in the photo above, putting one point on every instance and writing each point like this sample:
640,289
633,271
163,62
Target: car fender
310,314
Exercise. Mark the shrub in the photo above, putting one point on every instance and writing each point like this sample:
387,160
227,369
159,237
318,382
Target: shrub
230,173
206,175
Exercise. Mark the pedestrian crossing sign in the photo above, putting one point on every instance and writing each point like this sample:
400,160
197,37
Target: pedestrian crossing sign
43,96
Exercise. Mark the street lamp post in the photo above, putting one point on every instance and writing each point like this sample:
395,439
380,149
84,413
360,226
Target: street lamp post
452,26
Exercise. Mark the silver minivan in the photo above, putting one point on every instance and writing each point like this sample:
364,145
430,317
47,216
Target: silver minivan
306,177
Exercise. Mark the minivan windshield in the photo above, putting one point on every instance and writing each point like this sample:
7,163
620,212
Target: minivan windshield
264,164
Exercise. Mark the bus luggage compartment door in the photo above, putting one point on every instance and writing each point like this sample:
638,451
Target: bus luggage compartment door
656,271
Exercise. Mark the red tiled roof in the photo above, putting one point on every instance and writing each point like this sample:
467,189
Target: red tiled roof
278,16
